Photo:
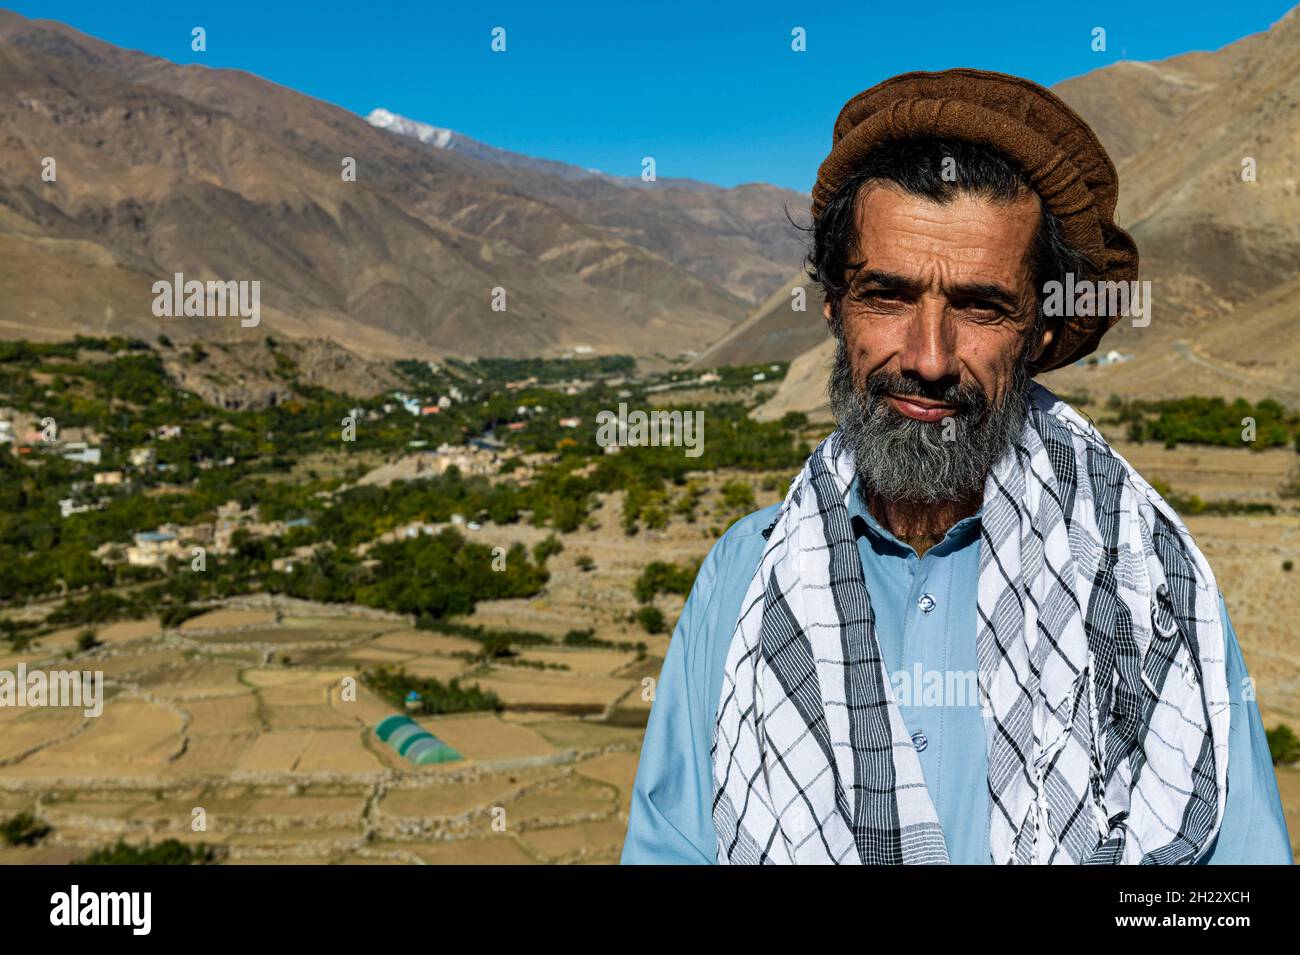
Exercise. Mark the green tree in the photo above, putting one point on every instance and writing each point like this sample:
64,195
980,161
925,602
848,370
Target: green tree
167,852
1283,745
652,619
738,497
24,829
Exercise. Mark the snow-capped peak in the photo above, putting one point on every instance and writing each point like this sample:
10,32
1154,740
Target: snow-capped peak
434,136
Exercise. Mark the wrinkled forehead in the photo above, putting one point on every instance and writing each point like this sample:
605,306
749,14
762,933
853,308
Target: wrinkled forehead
969,236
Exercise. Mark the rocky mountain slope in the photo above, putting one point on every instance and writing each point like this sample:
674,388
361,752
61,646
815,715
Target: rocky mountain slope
220,175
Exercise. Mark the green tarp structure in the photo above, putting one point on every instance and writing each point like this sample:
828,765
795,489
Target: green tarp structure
414,742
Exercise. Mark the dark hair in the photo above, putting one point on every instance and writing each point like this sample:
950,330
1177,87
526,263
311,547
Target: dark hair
917,165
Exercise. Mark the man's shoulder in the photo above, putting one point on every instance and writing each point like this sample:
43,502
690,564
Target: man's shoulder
751,525
748,531
739,549
707,623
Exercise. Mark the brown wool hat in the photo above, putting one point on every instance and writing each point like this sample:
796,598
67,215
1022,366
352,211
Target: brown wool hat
1059,154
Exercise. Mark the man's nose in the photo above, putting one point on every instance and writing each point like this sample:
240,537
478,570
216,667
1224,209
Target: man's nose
929,350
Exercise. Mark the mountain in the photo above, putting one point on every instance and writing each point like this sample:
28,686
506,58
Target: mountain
220,175
1220,252
804,386
775,331
738,238
440,138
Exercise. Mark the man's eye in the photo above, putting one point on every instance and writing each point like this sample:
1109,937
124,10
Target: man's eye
986,308
881,295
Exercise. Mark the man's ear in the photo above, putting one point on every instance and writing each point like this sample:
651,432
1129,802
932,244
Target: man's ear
1044,342
827,312
1048,335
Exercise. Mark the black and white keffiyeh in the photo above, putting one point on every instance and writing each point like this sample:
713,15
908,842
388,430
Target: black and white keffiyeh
1101,675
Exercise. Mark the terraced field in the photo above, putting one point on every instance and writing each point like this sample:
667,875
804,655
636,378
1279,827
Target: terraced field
240,717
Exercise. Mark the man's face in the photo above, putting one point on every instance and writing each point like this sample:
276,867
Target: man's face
933,346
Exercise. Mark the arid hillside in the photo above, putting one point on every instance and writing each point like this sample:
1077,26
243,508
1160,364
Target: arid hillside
123,169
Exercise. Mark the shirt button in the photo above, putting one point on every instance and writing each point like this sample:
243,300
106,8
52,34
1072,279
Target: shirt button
926,603
920,740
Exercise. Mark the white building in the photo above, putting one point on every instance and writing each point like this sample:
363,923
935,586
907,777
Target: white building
68,507
78,451
152,548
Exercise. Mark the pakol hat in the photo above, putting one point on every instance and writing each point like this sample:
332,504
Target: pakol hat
1055,149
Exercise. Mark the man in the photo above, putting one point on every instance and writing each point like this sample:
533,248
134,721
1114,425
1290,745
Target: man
970,633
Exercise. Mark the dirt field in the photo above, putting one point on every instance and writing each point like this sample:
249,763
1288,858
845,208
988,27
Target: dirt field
286,767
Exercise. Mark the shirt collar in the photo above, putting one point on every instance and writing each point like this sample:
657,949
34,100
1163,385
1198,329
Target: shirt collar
864,521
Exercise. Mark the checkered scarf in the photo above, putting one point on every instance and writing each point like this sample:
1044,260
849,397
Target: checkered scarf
1101,675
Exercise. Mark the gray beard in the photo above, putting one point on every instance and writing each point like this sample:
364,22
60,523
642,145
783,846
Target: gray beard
903,459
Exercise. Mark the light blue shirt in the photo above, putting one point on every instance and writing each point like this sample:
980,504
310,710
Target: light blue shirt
925,622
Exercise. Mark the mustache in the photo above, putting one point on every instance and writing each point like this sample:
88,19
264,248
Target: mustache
967,397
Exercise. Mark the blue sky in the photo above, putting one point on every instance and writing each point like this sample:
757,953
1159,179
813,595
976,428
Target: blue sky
713,91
